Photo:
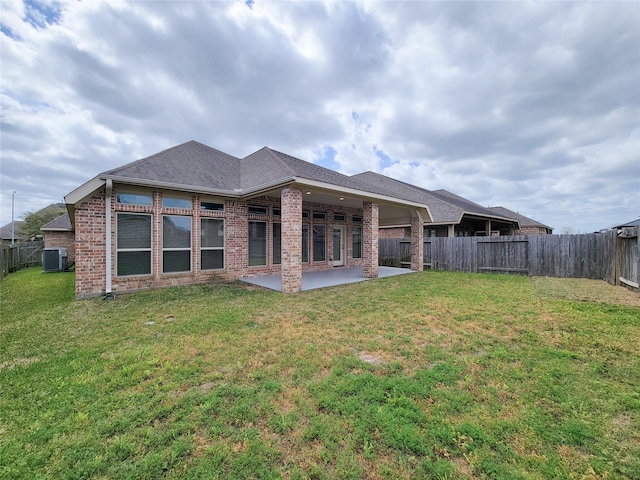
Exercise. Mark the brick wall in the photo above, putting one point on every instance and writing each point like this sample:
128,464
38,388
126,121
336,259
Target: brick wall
395,232
370,212
90,244
61,239
291,240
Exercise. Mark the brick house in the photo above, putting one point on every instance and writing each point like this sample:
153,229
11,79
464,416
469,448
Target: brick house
59,233
528,226
193,214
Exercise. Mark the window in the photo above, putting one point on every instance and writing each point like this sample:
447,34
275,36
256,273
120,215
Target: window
211,243
257,210
133,244
176,244
305,243
357,219
213,207
277,243
134,199
319,243
357,242
257,243
173,202
319,216
305,214
339,217
277,212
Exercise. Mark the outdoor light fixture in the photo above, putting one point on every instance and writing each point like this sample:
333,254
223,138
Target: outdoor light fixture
341,198
308,193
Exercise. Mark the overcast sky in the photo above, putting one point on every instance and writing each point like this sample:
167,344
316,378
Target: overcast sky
534,106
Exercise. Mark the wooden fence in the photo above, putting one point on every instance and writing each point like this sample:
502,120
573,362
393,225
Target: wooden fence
607,256
21,255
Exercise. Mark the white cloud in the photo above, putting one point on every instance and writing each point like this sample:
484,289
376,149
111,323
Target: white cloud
534,106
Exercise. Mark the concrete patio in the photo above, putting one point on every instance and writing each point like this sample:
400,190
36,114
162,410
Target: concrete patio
327,278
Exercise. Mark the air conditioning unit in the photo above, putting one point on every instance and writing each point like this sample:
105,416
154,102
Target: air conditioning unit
54,259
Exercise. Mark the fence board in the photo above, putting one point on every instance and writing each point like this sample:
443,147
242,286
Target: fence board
597,255
21,255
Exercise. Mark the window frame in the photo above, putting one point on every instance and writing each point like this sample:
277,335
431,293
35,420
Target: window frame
354,243
132,250
266,244
188,202
273,244
316,257
177,249
121,196
207,249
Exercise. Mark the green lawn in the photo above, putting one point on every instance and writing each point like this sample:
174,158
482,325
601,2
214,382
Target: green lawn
428,375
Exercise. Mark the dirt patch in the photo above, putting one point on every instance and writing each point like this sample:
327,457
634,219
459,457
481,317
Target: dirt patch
584,289
18,362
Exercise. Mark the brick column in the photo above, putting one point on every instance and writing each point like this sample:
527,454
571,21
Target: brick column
417,241
370,239
291,211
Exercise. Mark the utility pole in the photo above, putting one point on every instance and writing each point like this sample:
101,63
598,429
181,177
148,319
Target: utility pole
13,223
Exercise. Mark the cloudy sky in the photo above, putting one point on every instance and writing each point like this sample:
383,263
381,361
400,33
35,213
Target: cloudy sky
534,106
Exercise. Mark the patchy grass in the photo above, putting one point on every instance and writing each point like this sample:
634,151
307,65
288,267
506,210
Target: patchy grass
430,375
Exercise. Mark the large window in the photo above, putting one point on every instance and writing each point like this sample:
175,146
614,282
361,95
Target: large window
357,242
305,243
133,244
211,243
319,243
277,243
176,244
257,243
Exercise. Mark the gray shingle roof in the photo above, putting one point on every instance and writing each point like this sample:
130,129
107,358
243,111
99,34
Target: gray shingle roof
442,210
191,164
5,231
522,220
61,223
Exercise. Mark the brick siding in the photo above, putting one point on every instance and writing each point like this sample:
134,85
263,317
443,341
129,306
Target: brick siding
66,240
90,244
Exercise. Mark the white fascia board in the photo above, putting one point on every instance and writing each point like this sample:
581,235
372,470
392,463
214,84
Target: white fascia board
356,193
83,191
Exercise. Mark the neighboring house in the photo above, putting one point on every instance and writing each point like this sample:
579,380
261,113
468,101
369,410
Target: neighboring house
59,233
632,223
193,214
528,226
7,233
450,214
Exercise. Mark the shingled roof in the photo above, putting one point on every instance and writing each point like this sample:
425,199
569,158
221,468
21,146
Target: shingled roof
522,220
60,224
191,164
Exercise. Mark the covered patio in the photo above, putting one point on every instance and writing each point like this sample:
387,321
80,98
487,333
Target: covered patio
326,278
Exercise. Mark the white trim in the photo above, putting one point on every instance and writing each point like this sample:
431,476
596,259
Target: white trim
108,252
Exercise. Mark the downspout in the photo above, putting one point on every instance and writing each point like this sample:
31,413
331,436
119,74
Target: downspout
109,188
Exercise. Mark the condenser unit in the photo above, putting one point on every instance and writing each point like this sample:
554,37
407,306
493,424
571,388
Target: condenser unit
54,259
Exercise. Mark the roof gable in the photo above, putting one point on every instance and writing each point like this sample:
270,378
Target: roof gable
190,164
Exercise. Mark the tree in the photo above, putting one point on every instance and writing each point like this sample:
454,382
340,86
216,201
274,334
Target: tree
567,230
35,220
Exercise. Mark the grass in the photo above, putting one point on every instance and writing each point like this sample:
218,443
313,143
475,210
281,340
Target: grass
430,375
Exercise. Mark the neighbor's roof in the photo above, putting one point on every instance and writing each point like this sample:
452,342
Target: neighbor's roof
444,206
60,224
5,231
632,223
522,220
